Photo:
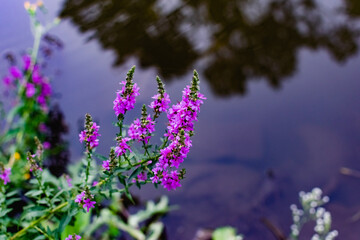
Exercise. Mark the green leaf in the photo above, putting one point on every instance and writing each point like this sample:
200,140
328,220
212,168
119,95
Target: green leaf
33,193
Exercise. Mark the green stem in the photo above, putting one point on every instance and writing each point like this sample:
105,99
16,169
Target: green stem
37,221
43,233
88,166
146,160
146,149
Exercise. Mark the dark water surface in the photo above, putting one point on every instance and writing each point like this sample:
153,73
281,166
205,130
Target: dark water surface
282,80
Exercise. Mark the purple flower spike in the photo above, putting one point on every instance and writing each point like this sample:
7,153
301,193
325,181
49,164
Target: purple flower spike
125,98
181,126
90,134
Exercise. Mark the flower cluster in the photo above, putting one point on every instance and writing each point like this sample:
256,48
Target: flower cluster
181,126
36,86
73,237
5,174
122,146
90,134
125,98
84,199
162,99
141,130
311,203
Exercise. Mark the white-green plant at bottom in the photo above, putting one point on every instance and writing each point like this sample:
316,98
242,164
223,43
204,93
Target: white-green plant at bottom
312,210
226,233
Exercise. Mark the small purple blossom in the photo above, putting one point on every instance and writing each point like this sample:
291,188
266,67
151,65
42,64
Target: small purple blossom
8,80
5,175
15,72
73,237
161,103
106,165
142,176
141,130
27,62
36,75
171,181
85,200
88,204
79,197
30,90
122,146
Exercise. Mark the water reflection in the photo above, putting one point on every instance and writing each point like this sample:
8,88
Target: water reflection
238,40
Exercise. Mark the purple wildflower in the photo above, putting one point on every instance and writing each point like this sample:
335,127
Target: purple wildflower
171,181
141,130
79,197
181,126
106,165
30,90
5,175
36,75
73,237
27,62
123,146
15,72
161,103
85,200
8,80
88,204
162,100
142,176
90,134
125,98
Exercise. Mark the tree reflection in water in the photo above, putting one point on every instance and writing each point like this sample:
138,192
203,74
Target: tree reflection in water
239,40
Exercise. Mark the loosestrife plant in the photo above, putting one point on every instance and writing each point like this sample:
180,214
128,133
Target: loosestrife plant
41,206
52,204
56,202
